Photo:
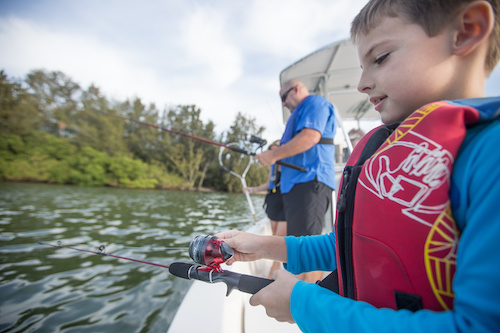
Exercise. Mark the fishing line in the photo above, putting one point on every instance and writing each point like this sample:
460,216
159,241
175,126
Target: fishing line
242,151
253,139
102,249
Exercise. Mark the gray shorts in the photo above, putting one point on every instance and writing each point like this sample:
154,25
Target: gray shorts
305,207
273,205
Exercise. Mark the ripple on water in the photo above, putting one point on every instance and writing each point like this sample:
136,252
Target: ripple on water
51,289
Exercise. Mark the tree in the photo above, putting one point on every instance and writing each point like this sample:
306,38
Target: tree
240,131
57,99
18,113
50,132
101,132
141,141
188,157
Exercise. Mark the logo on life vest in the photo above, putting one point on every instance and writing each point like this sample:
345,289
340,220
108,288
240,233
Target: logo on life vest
414,171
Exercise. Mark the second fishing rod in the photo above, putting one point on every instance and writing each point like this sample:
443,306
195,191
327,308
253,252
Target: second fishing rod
253,139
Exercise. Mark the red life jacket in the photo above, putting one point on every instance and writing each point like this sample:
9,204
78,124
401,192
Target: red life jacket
396,237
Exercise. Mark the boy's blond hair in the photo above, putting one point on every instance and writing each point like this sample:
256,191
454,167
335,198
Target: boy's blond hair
431,15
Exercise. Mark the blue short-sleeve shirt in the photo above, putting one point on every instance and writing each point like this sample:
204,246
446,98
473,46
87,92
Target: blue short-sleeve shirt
314,112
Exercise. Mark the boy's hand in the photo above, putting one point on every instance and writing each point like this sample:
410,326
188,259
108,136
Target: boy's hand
244,244
276,296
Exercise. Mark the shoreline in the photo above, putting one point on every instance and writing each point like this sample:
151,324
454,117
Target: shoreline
164,188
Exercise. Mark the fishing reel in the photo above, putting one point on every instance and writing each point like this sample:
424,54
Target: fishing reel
210,251
245,283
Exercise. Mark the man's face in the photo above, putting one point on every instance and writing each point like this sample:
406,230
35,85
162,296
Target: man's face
404,68
288,97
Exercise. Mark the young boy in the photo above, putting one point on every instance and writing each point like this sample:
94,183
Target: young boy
416,243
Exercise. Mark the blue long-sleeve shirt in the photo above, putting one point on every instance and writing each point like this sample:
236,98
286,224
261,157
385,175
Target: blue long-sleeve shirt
475,199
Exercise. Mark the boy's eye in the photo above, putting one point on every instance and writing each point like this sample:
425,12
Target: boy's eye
380,59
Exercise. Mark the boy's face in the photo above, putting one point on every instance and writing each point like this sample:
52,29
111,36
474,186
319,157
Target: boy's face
404,68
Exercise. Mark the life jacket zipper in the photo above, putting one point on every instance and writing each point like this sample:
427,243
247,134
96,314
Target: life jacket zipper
345,209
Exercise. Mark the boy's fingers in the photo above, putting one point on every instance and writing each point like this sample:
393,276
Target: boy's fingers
255,300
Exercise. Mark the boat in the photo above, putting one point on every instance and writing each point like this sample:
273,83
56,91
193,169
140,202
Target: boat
332,71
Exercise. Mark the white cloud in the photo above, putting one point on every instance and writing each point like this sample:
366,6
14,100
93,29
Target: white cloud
203,37
86,60
297,26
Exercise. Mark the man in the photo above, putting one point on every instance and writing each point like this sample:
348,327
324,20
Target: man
307,142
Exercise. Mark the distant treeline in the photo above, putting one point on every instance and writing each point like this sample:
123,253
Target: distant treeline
50,132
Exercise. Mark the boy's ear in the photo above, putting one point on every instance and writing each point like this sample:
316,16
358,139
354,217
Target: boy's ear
474,24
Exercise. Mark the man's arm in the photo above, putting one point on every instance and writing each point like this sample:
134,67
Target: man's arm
303,141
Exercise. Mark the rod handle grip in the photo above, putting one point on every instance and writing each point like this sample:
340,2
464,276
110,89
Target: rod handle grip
252,284
285,164
293,166
241,151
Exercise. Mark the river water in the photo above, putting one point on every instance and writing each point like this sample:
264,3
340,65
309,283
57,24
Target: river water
47,289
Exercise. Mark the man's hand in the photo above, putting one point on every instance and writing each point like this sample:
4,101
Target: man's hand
266,158
276,296
303,141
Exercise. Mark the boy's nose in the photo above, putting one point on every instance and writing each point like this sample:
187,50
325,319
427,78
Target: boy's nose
365,83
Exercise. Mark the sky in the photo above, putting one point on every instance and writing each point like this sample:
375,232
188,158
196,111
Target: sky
224,56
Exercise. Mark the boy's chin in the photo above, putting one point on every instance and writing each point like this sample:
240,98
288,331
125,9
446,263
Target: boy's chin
388,117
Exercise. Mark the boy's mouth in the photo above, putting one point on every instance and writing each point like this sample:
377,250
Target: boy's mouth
378,102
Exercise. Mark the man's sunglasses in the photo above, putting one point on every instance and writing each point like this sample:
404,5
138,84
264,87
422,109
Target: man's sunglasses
285,95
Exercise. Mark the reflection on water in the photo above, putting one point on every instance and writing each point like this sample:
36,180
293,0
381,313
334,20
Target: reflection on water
50,289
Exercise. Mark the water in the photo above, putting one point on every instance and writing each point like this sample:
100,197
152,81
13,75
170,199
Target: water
47,289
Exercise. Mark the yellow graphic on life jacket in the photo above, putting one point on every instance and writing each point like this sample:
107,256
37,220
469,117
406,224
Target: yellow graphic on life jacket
440,255
413,120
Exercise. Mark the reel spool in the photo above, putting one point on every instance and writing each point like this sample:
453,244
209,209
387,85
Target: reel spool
209,251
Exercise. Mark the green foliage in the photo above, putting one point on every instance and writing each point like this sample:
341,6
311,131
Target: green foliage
43,157
89,167
50,132
188,157
164,179
56,97
11,144
18,112
99,131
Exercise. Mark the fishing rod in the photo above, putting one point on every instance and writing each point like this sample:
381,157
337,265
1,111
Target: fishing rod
210,252
102,252
253,139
